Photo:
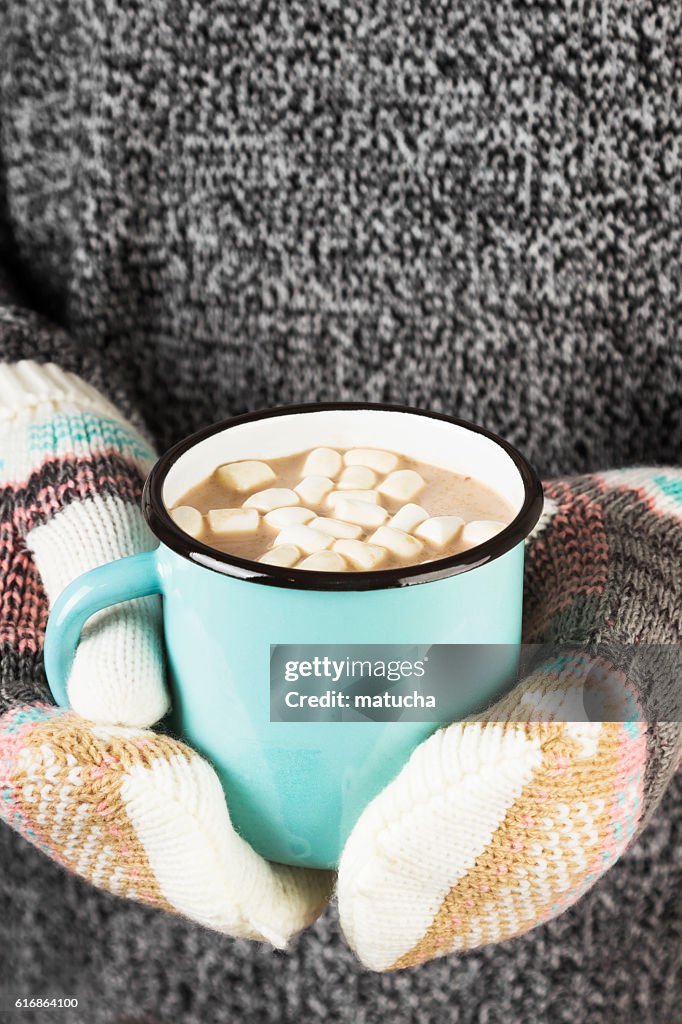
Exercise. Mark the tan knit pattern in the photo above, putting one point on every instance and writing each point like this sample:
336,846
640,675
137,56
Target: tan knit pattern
143,816
69,780
543,849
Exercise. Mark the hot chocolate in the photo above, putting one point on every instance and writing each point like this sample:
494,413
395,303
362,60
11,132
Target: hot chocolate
339,511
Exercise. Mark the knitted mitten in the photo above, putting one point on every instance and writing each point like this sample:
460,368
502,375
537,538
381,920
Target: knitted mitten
71,477
495,826
132,811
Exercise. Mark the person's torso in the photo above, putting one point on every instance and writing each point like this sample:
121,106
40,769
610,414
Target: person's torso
471,207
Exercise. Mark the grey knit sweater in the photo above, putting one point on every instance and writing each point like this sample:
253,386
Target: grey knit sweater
469,206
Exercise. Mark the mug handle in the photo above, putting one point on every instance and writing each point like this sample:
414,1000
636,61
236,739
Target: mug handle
122,580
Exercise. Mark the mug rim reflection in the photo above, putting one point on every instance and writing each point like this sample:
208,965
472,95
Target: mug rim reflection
165,529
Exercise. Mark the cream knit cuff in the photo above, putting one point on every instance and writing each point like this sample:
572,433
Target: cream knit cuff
28,385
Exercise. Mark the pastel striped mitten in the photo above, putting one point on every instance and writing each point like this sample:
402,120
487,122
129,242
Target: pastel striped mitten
130,810
71,472
495,826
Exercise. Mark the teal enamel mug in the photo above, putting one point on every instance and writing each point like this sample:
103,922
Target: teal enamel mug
295,788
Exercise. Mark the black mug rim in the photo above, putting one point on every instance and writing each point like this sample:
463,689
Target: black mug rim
163,527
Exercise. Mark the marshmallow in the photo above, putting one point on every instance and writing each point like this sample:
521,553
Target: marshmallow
335,528
440,530
188,519
362,513
407,517
324,561
397,542
245,476
281,517
359,478
272,497
402,485
284,554
226,521
305,538
336,496
479,531
322,462
313,488
359,554
382,462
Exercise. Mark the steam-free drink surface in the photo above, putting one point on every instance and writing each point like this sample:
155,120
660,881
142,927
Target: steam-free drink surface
404,515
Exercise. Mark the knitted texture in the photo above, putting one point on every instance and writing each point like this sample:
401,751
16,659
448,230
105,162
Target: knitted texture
143,816
467,206
496,826
71,478
488,832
